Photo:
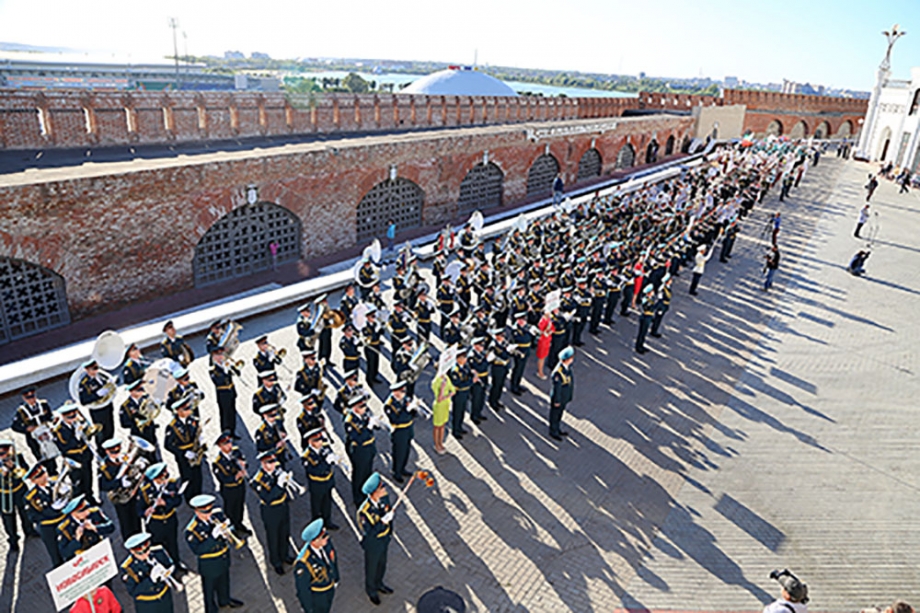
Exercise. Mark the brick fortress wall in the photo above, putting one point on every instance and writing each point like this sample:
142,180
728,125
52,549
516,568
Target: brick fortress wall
120,232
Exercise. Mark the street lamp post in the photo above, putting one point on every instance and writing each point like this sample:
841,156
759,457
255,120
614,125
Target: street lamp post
884,71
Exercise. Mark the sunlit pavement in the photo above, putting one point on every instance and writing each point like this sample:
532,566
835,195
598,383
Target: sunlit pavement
763,430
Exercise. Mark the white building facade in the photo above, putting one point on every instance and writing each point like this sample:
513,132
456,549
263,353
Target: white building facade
891,129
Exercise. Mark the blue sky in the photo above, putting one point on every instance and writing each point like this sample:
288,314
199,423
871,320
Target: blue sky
836,43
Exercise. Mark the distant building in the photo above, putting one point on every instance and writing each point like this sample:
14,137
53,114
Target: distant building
234,55
258,55
891,130
791,87
731,82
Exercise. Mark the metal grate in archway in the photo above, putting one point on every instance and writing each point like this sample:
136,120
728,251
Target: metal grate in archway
400,200
589,165
32,300
626,157
239,243
481,188
541,175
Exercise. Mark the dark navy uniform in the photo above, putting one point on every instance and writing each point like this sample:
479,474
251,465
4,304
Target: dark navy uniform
367,276
70,545
265,361
276,517
398,330
310,419
264,396
450,333
74,447
373,340
423,313
128,520
560,396
613,297
582,299
498,372
401,361
132,371
212,340
347,305
351,358
361,446
180,391
479,370
647,306
445,301
182,437
230,474
324,351
149,596
662,304
90,388
174,349
523,339
316,574
464,295
375,540
306,335
222,378
132,421
268,436
213,560
598,296
41,509
13,488
320,481
162,524
342,395
29,416
559,339
403,422
308,379
462,379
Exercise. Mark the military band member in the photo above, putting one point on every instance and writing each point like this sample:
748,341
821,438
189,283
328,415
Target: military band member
561,393
373,341
31,414
613,296
344,393
450,331
92,390
113,475
446,300
134,368
375,521
83,526
316,570
222,374
319,462
523,339
582,298
367,277
398,326
310,418
351,357
464,292
499,369
268,392
560,329
438,266
44,510
360,444
423,312
69,435
206,538
185,388
403,431
306,334
647,310
479,370
662,304
462,378
13,493
185,440
144,574
271,434
270,485
598,297
130,418
212,340
324,351
229,468
480,321
310,377
348,302
174,347
376,297
157,502
402,365
535,300
266,358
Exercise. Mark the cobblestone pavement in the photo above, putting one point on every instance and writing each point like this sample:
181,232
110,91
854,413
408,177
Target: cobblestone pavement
762,431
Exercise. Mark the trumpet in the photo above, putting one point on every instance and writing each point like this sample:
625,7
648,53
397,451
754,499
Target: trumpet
224,527
418,405
166,575
286,480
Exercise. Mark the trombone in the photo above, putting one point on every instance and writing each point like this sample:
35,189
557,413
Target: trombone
224,527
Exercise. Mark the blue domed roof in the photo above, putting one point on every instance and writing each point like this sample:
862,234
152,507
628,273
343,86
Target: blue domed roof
457,81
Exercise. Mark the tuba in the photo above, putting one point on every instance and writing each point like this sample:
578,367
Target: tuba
133,468
149,410
63,489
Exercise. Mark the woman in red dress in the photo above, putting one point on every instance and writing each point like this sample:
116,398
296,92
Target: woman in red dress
546,337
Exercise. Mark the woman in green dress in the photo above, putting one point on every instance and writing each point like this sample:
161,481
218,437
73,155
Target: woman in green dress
443,390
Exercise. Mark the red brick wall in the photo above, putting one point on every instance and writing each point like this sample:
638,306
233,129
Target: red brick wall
130,234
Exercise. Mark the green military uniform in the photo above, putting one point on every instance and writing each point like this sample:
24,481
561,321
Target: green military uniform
375,540
213,553
150,596
316,572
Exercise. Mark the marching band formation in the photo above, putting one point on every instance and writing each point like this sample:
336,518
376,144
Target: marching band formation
535,289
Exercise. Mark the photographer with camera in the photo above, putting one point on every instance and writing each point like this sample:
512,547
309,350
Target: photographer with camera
794,596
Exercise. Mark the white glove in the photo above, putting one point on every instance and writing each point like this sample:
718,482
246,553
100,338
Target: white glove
125,482
100,393
201,439
57,505
333,458
373,422
387,517
190,455
216,532
284,479
157,573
